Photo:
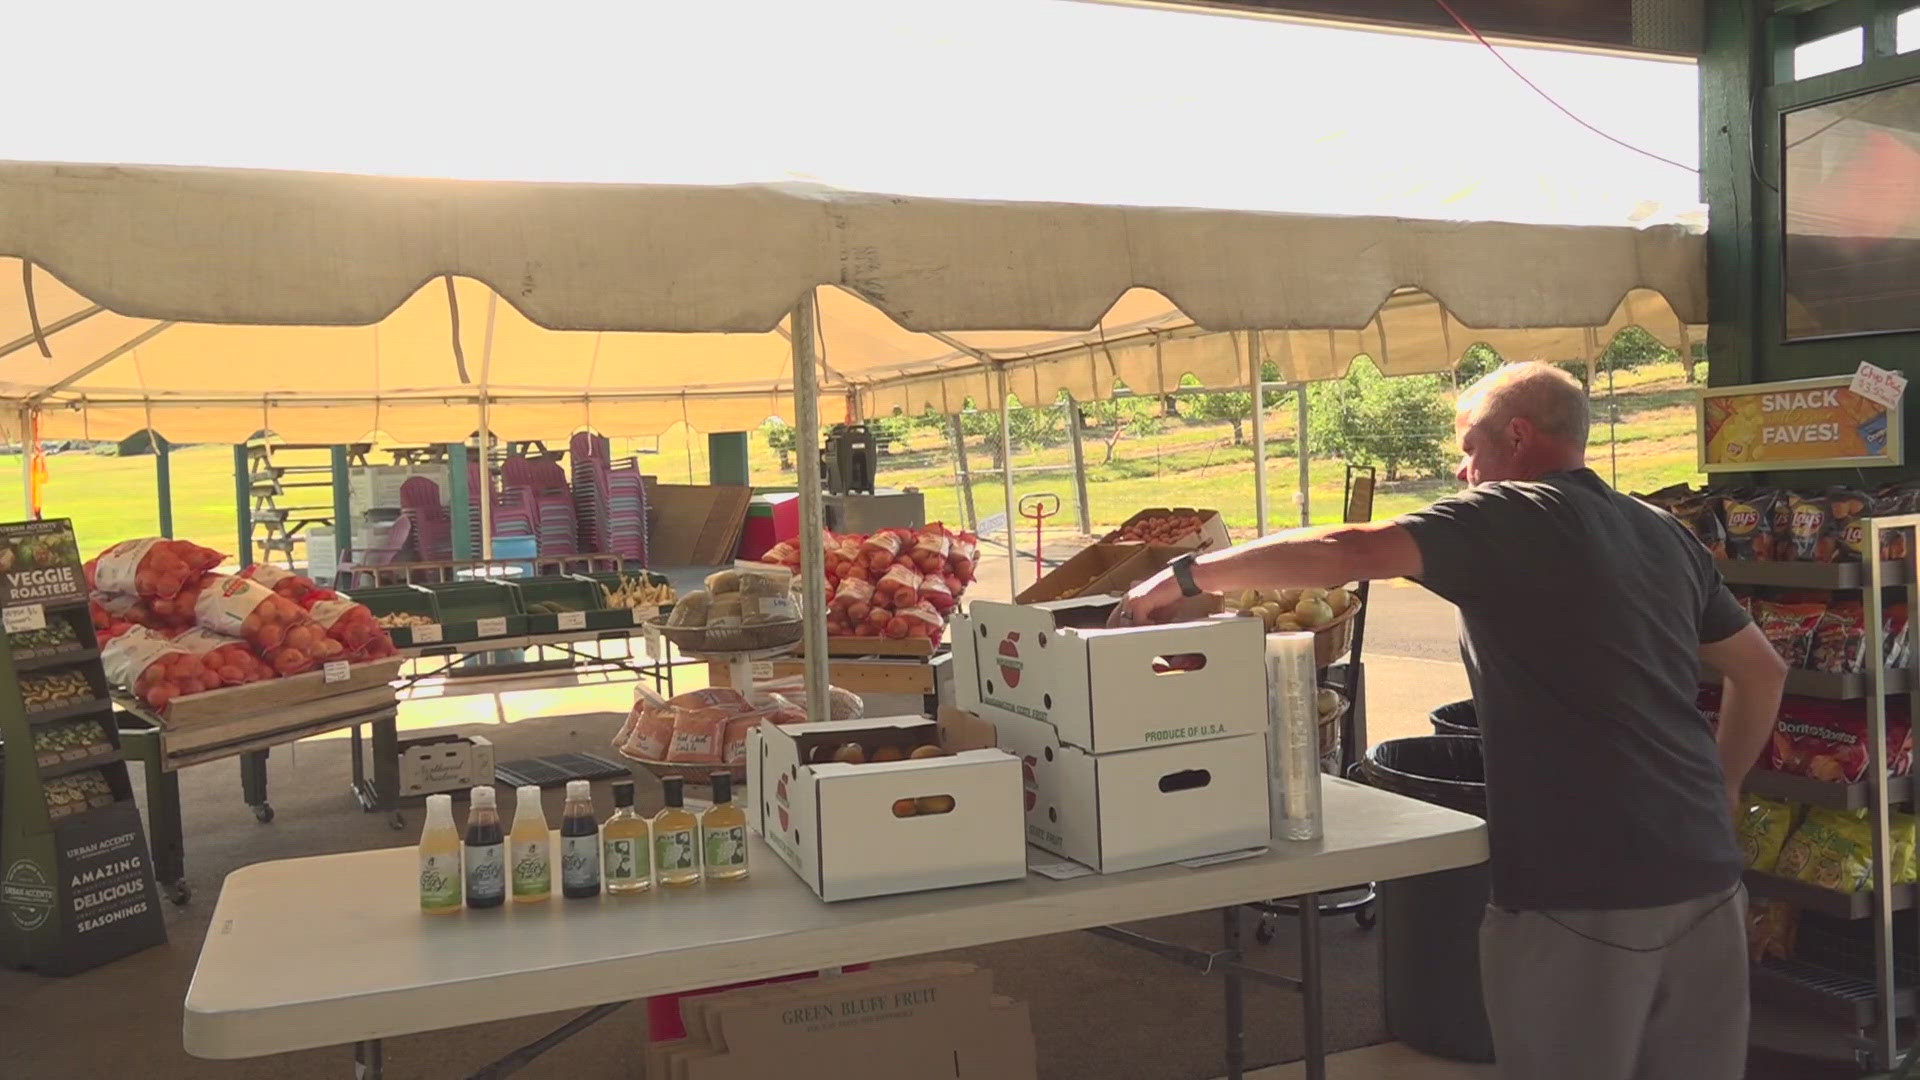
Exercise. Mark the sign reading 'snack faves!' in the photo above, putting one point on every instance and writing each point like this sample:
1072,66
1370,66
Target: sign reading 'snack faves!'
1803,424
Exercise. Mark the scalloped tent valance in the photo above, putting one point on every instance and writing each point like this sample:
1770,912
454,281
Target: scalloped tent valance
211,303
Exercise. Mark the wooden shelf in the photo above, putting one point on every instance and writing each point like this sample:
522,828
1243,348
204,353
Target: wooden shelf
68,712
1844,999
1857,905
1836,796
1805,575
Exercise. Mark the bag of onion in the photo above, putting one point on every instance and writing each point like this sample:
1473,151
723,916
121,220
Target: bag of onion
155,669
150,567
280,633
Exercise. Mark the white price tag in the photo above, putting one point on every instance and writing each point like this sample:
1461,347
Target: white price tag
25,617
336,671
1061,871
1878,385
656,644
494,627
573,620
762,669
427,634
1225,856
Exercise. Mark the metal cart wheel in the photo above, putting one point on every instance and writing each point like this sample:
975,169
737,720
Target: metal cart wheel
263,812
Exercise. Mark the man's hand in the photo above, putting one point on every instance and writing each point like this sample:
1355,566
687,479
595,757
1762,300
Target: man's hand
1145,602
1753,676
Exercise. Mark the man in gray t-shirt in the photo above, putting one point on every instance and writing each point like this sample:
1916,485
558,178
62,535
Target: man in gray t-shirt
1615,946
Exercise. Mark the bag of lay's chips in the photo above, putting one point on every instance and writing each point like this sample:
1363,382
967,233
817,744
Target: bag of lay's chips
1763,829
1832,849
1749,525
1905,871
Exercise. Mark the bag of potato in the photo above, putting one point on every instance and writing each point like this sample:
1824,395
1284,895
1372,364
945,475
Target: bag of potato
149,567
1832,849
280,633
227,659
1762,830
352,625
156,670
296,587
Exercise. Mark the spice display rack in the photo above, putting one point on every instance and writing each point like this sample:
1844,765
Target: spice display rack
1865,1010
77,883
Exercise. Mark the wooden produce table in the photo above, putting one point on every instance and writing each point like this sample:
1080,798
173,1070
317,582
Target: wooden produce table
278,712
862,665
372,967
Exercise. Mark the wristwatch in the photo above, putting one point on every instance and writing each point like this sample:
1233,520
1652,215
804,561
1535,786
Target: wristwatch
1182,568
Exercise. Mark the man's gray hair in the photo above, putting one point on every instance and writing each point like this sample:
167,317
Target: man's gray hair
1551,400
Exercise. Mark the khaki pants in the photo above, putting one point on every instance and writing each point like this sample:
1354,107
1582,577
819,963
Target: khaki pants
1665,998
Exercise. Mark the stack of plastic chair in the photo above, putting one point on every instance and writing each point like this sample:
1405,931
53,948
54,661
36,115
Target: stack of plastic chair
627,512
427,520
513,513
588,453
554,523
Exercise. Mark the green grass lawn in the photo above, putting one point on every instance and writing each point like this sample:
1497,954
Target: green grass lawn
1652,445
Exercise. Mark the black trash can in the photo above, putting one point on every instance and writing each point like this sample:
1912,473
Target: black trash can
1456,718
1430,925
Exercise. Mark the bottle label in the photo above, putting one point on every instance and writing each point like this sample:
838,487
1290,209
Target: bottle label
440,880
532,869
673,850
486,872
627,859
579,862
726,847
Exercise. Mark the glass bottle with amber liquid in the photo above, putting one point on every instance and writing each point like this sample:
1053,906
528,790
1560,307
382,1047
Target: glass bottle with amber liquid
579,844
626,845
723,833
676,852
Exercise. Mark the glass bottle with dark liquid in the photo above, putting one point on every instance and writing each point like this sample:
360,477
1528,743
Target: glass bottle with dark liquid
486,852
579,844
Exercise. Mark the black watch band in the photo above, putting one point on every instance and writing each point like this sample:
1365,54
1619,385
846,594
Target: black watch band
1183,573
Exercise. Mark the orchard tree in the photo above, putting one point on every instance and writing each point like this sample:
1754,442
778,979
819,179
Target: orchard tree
780,439
1117,416
1399,424
1233,407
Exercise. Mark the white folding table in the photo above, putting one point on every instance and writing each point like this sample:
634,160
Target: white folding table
333,950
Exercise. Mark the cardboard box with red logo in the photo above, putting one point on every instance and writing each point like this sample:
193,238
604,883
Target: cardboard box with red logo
887,827
1108,690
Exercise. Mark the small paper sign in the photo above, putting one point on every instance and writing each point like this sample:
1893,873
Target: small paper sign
25,617
1061,871
336,671
573,620
763,669
1878,385
493,627
1225,856
427,634
656,643
639,615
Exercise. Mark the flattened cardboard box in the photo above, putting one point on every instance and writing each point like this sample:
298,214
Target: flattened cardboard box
908,1022
1138,808
840,828
1108,690
1100,570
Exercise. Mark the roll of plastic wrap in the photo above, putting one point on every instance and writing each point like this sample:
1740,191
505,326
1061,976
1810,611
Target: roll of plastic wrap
1293,738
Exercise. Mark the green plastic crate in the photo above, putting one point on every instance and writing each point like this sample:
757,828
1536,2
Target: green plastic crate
571,593
464,605
395,600
607,580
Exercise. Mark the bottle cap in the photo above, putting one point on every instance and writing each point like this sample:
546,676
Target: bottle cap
579,789
440,809
481,797
722,784
623,793
529,792
671,785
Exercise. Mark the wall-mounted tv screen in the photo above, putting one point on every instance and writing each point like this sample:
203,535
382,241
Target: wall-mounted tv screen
1852,198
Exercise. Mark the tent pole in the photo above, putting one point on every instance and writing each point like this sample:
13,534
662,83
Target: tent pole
1079,466
485,494
26,462
813,581
1259,435
1006,487
961,472
1300,452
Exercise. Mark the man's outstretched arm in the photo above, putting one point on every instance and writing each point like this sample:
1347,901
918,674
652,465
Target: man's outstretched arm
1325,555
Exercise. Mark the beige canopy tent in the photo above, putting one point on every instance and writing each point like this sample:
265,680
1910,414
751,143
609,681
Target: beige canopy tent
208,304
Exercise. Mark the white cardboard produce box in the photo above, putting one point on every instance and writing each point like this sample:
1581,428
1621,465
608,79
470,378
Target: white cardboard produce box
1123,811
1108,690
840,826
445,763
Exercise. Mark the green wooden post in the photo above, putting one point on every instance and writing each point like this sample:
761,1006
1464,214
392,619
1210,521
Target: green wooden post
727,457
163,480
459,501
243,505
342,505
